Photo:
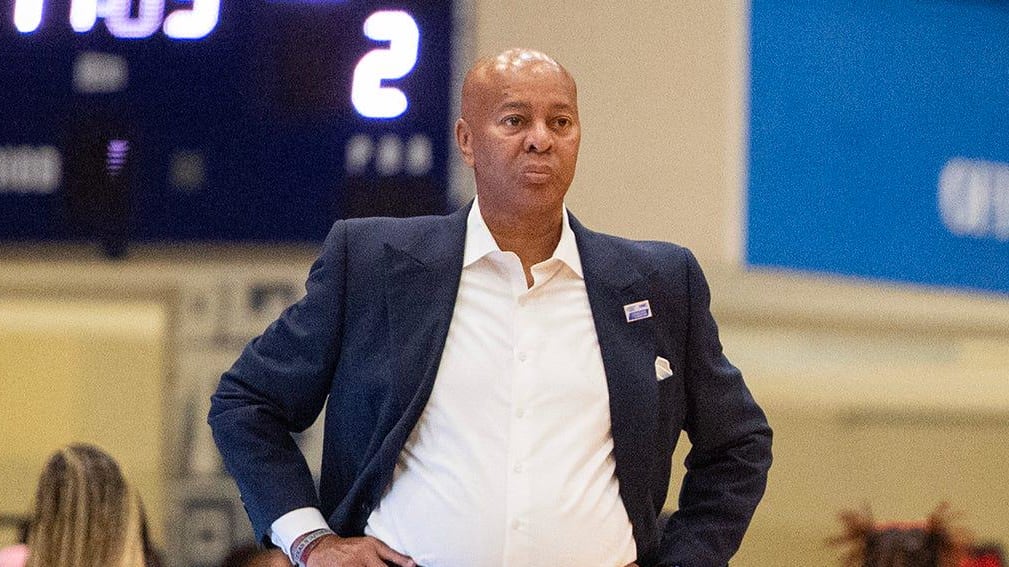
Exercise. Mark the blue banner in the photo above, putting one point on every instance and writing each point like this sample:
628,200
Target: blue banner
879,140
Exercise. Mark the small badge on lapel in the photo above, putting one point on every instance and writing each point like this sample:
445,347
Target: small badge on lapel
637,311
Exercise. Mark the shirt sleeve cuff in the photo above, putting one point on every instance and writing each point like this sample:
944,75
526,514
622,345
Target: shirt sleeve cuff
287,528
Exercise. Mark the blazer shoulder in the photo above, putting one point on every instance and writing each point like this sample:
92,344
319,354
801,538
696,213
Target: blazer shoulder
392,226
650,255
648,247
648,250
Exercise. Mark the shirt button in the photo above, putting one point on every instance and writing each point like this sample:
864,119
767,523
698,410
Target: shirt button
520,413
523,357
517,468
516,524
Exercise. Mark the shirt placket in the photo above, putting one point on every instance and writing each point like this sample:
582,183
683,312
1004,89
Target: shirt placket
519,539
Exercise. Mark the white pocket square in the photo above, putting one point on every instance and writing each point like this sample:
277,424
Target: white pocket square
662,369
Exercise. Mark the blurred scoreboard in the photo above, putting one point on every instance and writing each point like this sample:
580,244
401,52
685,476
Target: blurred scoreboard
218,120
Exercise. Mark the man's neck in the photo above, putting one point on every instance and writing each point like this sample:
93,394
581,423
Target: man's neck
531,235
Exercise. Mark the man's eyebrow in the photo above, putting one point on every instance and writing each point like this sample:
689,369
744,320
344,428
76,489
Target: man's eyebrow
519,105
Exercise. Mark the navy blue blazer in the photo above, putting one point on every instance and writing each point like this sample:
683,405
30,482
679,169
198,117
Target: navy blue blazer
367,339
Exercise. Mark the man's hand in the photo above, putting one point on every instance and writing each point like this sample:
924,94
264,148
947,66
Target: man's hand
336,551
632,565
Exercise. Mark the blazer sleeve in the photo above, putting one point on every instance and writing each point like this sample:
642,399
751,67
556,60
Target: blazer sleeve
730,446
277,386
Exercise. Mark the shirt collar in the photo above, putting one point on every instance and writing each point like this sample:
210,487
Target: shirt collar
480,242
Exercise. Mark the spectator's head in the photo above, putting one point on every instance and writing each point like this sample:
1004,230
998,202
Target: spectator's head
86,513
932,542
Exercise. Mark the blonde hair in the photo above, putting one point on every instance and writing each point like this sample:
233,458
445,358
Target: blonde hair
86,513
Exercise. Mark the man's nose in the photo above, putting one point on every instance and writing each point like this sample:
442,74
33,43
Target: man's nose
539,138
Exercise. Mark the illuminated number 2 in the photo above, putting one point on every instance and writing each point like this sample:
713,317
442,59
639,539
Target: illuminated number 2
370,98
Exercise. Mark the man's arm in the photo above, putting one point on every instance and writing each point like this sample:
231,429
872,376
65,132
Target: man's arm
277,386
731,447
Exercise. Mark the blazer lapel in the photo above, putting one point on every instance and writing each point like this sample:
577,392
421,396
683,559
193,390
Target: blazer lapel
423,279
628,352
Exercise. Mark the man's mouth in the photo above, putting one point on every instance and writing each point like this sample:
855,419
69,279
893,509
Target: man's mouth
537,174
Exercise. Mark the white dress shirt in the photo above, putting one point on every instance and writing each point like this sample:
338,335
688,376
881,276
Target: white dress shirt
511,462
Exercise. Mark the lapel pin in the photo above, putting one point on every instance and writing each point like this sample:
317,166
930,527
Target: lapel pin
637,311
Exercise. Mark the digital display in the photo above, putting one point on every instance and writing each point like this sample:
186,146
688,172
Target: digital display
218,120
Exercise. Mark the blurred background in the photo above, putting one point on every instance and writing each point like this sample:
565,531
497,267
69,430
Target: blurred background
841,170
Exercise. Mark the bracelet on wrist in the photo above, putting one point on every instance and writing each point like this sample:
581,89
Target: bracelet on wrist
304,544
308,550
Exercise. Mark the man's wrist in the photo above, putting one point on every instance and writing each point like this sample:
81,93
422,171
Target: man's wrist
294,524
305,543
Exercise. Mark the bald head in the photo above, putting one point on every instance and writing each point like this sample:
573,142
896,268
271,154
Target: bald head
490,75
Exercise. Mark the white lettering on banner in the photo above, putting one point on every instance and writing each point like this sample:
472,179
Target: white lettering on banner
30,169
973,198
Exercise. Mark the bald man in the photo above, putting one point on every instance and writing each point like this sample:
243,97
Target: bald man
503,387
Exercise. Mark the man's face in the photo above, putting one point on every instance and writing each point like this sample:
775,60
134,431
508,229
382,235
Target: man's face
520,133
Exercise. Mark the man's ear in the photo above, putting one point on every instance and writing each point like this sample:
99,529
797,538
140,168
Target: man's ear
464,139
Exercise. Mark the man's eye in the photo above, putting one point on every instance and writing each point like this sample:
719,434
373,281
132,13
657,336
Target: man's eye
512,121
562,122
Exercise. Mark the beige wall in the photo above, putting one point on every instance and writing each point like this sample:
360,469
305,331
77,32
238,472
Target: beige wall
659,87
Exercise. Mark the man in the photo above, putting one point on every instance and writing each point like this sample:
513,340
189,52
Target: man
504,386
